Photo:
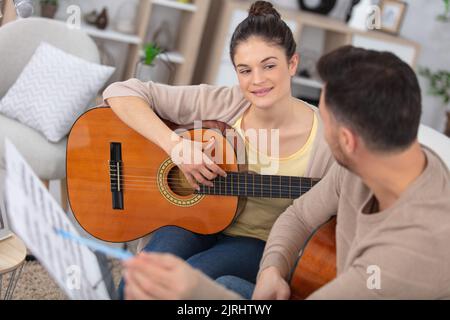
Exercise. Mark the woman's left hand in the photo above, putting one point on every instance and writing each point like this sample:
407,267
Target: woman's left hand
159,276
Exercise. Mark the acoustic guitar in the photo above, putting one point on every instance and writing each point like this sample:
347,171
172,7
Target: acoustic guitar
122,187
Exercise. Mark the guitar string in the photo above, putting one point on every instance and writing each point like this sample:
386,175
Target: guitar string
242,185
143,183
113,172
217,187
179,181
151,178
261,195
218,184
225,191
113,166
150,186
113,169
221,182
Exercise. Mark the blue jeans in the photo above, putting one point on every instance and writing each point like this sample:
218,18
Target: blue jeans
241,286
215,255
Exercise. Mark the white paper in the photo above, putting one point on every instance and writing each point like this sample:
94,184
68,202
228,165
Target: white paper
33,215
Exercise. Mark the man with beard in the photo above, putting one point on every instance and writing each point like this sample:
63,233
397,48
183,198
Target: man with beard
391,196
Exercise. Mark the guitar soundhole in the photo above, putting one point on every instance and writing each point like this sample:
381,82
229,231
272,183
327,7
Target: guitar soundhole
177,182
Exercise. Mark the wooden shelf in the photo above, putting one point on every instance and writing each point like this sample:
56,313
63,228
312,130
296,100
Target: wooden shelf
176,5
307,82
111,35
172,56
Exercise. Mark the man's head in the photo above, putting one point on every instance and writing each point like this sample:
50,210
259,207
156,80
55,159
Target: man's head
371,101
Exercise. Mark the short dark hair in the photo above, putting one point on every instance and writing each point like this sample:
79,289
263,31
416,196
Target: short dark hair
265,22
375,93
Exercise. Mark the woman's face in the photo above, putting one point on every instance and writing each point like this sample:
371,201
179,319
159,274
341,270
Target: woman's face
263,71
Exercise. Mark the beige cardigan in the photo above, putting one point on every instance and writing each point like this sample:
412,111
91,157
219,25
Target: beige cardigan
185,104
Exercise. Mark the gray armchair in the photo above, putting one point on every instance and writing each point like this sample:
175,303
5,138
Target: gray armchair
18,41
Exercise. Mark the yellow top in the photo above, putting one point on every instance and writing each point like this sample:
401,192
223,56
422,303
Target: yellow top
260,214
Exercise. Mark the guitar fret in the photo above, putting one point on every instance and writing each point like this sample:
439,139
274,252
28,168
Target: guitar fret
257,177
270,186
246,189
290,183
240,185
253,184
231,183
265,186
277,183
284,187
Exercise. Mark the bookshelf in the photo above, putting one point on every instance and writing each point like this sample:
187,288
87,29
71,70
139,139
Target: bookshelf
191,28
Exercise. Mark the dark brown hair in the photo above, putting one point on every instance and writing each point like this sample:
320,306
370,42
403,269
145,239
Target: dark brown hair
375,93
265,22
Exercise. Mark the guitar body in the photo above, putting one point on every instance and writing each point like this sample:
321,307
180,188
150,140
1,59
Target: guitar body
149,201
316,266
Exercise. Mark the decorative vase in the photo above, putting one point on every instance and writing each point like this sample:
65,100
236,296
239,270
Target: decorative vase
102,19
91,17
359,14
125,19
156,72
48,10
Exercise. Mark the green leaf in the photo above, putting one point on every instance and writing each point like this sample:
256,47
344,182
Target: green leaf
151,52
439,83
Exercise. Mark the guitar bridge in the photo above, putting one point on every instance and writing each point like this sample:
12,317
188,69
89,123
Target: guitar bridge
115,174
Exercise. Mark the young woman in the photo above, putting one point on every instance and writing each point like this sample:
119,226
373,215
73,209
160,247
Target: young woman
263,53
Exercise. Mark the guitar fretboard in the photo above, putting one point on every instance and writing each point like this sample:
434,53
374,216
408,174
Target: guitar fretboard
261,186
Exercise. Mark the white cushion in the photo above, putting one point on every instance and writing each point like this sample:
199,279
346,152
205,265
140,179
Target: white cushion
53,90
436,141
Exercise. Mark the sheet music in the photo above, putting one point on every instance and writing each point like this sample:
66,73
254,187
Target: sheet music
33,215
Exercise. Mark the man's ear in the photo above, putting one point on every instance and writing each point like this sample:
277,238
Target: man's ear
293,64
348,140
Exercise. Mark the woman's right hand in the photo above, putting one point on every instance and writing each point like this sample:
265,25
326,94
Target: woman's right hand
192,159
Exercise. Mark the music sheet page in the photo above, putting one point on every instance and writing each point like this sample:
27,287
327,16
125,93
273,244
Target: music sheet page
34,215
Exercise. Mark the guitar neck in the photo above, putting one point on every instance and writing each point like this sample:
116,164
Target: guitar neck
260,186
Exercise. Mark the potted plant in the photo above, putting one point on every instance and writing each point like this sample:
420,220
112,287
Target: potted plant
439,86
149,67
49,8
151,51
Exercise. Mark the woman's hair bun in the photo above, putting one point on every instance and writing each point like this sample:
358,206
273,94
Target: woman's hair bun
263,8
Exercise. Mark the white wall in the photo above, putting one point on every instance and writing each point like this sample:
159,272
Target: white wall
420,25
